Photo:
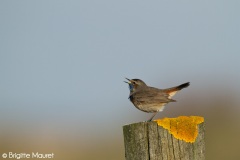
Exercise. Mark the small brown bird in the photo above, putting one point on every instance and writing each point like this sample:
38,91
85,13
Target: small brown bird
150,99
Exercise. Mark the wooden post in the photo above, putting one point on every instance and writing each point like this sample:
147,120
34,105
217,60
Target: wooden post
149,141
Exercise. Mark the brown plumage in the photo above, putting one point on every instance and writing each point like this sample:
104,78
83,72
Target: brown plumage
172,91
150,99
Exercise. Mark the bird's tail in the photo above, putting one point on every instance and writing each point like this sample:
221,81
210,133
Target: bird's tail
172,91
184,85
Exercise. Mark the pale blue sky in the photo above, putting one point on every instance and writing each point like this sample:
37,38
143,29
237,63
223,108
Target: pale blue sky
62,63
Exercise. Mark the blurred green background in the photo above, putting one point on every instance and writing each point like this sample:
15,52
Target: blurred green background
63,63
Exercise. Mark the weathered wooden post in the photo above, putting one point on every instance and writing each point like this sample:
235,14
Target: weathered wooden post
179,138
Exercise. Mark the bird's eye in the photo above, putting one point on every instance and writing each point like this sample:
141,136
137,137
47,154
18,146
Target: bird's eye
133,82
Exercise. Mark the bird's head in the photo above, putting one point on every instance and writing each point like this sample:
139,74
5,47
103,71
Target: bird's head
135,84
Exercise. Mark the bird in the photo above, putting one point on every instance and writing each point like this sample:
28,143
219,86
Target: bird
150,99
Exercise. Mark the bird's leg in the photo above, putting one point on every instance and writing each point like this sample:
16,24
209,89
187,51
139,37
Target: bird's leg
152,117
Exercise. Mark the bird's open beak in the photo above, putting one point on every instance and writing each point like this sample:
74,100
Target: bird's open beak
128,80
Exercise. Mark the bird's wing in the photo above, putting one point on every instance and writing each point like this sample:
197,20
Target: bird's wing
152,95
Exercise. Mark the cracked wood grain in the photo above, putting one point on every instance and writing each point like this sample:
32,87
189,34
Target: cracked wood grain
148,141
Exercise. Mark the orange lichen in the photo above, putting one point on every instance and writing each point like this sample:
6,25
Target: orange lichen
183,127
